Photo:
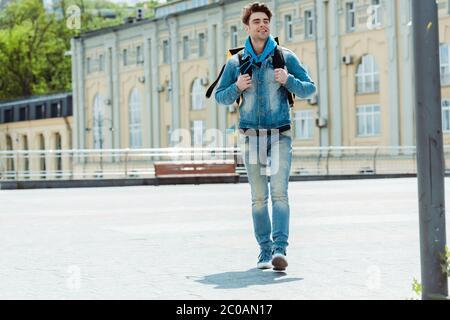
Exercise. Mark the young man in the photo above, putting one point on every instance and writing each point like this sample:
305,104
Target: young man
264,124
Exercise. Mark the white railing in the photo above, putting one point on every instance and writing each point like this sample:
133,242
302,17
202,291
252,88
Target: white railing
139,163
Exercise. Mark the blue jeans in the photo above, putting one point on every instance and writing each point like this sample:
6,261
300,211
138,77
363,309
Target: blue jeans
272,153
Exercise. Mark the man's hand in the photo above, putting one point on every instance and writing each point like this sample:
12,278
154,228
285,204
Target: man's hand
281,75
244,82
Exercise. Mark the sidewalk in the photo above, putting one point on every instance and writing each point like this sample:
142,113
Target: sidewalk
354,239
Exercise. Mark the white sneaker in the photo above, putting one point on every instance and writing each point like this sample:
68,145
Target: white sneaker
264,260
264,265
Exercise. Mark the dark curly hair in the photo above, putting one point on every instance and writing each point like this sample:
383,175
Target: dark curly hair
255,7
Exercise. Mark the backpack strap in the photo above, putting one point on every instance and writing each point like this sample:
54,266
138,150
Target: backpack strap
278,62
214,84
231,52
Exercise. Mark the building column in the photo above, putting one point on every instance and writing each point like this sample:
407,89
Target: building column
221,60
407,127
116,61
322,66
175,73
75,94
154,82
147,123
393,110
336,88
276,22
81,105
212,39
108,98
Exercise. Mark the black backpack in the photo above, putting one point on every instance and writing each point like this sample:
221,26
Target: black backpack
277,61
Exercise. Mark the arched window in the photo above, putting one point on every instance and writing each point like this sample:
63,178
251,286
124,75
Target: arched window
444,58
367,75
134,119
97,125
42,164
26,156
197,95
58,164
10,160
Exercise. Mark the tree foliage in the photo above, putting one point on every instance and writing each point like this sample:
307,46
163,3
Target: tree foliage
34,43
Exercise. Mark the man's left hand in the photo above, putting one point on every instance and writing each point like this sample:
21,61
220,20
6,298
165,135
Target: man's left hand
281,75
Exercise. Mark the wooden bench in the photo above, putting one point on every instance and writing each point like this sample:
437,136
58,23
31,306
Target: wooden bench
195,172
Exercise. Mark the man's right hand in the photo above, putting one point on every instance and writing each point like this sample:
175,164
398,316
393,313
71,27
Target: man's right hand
244,82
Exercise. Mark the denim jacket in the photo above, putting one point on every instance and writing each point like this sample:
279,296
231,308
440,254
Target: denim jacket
265,104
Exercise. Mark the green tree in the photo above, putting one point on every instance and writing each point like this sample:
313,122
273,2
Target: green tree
33,43
32,51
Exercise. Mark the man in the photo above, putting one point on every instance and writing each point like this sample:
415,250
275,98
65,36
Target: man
264,124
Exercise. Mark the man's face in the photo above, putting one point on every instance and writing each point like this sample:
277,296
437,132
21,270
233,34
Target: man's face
258,26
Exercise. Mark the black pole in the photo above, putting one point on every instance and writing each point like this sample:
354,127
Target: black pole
430,155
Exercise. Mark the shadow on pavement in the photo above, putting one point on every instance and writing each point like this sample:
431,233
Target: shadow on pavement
243,279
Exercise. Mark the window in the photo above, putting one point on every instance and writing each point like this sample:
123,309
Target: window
444,64
58,160
166,57
98,119
288,27
234,37
197,95
197,132
42,164
8,115
376,18
125,57
368,120
367,75
446,115
134,119
185,47
303,121
139,55
201,44
101,63
40,111
350,16
23,113
55,110
88,65
309,24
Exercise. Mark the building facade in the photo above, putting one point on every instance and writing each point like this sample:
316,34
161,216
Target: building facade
39,123
135,85
147,78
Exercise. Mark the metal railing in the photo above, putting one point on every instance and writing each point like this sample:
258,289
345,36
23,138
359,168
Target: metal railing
139,163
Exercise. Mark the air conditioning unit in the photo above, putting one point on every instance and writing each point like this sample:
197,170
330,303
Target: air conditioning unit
312,100
141,79
204,81
160,88
347,59
321,122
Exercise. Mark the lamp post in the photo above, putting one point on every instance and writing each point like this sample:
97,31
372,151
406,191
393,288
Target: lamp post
430,155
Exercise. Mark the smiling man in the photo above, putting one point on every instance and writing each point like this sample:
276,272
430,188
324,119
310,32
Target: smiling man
264,124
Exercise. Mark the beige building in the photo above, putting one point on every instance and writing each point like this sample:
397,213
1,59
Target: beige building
31,125
147,78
